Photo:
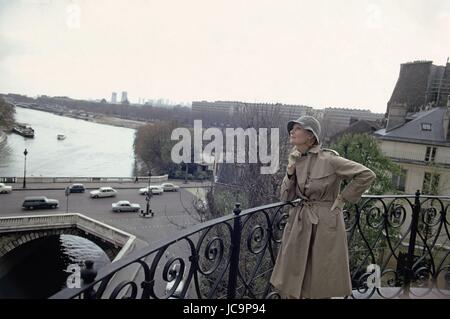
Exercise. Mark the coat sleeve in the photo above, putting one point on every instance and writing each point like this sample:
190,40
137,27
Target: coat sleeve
288,188
360,177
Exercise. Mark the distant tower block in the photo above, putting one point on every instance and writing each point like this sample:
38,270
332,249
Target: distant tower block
114,97
124,96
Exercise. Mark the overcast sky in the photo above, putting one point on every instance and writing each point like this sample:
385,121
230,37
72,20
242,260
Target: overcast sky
318,53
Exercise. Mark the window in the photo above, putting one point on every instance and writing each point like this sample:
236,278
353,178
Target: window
430,184
399,180
426,126
430,154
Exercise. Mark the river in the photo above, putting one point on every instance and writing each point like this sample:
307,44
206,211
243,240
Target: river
38,269
90,149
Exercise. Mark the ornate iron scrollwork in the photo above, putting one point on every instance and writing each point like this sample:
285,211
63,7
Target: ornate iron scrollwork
380,232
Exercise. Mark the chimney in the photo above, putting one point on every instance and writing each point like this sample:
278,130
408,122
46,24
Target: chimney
446,121
396,116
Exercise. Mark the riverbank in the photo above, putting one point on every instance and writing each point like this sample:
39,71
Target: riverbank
88,150
95,118
114,121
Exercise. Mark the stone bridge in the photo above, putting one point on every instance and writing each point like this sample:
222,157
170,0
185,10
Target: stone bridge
18,230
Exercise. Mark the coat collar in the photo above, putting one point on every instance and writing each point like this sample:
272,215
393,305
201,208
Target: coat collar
315,149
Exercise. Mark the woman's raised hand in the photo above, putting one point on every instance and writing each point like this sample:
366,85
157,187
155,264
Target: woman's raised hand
292,158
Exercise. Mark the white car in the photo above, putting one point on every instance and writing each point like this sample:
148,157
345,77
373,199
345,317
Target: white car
5,189
169,187
156,190
125,206
104,192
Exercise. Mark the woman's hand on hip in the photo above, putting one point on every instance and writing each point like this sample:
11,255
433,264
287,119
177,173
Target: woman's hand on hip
338,203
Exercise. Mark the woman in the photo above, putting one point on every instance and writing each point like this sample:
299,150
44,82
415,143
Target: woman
312,261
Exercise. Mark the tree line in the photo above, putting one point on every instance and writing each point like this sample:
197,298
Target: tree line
7,112
147,113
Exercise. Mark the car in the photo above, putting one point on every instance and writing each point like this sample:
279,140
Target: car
156,190
169,187
77,188
103,192
39,202
125,206
4,189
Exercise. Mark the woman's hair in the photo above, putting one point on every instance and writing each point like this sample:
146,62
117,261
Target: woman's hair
311,134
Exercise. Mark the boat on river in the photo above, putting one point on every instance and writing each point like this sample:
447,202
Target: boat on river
21,129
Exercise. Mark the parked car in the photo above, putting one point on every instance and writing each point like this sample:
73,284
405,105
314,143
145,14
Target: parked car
4,189
155,189
77,188
103,192
39,202
125,206
169,187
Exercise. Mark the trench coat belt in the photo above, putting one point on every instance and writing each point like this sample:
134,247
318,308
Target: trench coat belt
307,209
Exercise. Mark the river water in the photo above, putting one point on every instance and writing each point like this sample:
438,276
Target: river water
39,269
90,149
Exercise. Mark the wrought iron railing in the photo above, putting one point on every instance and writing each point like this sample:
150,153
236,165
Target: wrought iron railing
398,245
406,239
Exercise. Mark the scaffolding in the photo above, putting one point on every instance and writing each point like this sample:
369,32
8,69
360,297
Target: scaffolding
439,90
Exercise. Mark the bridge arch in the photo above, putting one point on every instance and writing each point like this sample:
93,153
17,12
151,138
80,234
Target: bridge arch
9,242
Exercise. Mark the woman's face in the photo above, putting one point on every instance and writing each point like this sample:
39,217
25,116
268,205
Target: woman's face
300,137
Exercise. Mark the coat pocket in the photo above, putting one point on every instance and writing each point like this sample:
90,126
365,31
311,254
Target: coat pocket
320,185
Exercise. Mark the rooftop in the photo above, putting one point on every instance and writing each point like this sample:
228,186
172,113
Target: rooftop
425,126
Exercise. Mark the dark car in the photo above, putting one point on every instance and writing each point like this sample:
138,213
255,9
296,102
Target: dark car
77,188
39,202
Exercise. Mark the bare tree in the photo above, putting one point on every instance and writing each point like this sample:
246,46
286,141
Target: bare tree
152,145
245,181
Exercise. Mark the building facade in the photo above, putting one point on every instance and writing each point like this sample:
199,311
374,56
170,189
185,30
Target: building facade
336,120
421,146
124,97
218,112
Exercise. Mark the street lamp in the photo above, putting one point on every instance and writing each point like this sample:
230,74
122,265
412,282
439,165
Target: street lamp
25,169
149,195
67,193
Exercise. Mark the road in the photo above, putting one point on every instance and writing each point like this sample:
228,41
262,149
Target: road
173,211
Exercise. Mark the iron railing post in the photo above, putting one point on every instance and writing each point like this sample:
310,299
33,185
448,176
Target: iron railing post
235,248
88,274
412,241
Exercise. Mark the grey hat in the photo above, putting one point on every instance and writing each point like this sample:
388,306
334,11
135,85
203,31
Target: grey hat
308,123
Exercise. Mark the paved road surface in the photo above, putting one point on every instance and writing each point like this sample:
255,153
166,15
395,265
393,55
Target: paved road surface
173,210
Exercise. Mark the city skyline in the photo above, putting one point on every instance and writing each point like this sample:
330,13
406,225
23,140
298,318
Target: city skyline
321,54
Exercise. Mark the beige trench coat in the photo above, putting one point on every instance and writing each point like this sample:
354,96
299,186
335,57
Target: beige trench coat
312,261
